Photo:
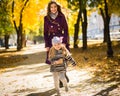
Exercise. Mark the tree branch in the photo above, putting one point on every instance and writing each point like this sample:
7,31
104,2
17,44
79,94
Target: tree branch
13,3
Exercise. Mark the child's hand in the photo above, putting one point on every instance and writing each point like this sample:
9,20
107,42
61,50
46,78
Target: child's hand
75,67
60,61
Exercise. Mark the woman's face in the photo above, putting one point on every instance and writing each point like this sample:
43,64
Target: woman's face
53,8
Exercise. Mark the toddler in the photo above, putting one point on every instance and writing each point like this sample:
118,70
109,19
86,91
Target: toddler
58,56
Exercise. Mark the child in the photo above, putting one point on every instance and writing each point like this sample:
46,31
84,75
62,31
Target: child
58,56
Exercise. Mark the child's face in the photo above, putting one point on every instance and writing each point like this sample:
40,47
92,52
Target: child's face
57,46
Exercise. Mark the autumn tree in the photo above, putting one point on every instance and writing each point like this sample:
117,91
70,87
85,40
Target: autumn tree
107,8
106,18
19,27
81,6
84,22
77,24
109,44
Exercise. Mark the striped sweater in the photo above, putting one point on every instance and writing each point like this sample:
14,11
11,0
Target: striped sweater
59,59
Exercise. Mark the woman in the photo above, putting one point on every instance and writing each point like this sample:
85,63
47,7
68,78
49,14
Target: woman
55,25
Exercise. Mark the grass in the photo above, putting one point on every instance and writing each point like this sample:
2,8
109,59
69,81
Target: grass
95,57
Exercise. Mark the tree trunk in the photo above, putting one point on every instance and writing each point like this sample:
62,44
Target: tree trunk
109,43
6,38
105,34
21,33
104,22
76,35
23,39
19,41
84,29
77,29
76,32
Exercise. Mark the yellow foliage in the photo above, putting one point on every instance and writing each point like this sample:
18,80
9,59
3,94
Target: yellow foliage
63,3
72,18
31,14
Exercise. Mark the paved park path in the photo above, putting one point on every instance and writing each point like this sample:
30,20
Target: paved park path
32,78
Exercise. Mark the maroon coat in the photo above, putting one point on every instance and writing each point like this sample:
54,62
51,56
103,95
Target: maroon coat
55,27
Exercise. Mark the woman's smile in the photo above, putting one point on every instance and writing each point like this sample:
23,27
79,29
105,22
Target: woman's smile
53,8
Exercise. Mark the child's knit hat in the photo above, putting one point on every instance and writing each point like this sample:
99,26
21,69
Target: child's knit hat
56,40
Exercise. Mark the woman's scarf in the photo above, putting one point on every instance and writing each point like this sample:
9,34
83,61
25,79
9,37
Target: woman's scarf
53,15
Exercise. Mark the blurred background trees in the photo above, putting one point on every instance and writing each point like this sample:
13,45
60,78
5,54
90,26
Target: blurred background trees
5,24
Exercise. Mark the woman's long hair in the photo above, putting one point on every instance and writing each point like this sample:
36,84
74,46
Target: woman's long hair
58,7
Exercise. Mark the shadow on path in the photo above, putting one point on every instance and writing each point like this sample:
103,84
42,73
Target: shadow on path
31,55
25,59
46,93
107,90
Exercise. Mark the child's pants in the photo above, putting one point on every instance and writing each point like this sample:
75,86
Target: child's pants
59,76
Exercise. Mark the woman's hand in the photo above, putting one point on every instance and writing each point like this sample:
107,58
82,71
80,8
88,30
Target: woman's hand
63,44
